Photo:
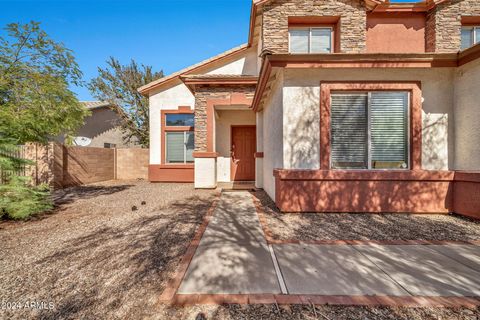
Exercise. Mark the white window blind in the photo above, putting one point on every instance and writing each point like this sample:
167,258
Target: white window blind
349,131
310,40
389,129
179,147
299,40
470,36
369,130
321,40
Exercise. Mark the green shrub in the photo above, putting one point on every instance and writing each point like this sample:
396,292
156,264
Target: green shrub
19,200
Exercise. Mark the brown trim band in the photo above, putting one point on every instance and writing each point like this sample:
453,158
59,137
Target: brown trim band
170,173
199,154
258,155
363,175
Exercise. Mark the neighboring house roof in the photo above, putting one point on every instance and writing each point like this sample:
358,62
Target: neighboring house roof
154,84
90,105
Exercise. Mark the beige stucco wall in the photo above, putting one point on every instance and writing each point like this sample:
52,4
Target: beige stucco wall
176,94
273,132
224,119
245,64
103,126
165,99
301,109
467,117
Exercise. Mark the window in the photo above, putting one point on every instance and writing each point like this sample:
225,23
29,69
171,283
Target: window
369,130
310,40
179,138
179,147
470,36
179,119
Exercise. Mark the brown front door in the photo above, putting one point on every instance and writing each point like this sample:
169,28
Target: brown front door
243,148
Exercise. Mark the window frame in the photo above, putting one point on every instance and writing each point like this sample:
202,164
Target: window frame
184,147
415,109
310,28
474,28
165,129
369,131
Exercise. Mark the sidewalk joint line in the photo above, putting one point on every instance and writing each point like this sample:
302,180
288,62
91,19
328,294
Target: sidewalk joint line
376,265
452,258
278,272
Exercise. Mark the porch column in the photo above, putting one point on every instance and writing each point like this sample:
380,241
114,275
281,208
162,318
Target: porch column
259,153
205,176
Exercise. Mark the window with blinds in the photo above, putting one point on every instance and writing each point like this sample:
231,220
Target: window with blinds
470,36
310,40
179,147
369,130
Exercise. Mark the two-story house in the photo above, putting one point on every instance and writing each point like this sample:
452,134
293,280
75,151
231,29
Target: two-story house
333,106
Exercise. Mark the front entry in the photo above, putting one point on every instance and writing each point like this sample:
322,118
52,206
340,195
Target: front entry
242,152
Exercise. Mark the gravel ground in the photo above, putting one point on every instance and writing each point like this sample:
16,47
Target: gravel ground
344,226
95,258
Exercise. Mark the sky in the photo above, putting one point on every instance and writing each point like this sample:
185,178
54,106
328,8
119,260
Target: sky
167,34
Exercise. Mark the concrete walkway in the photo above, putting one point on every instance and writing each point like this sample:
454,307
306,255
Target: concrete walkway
234,258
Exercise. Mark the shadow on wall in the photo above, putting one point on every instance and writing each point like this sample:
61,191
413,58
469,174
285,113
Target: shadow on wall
303,135
364,196
434,130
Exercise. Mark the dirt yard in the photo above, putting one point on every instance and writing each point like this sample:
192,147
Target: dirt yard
357,226
94,257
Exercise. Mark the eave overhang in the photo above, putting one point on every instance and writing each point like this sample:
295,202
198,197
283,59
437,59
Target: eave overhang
360,60
191,81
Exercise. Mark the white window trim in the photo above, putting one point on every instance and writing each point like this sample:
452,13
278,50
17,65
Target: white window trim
310,39
473,29
369,142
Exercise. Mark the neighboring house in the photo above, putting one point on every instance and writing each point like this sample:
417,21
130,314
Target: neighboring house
332,105
102,128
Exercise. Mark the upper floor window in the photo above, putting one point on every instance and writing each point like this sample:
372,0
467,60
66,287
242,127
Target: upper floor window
470,36
310,40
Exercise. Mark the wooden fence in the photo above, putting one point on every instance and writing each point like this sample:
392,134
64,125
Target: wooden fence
18,153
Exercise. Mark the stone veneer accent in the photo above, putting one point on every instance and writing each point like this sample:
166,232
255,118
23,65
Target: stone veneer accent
352,13
444,24
204,93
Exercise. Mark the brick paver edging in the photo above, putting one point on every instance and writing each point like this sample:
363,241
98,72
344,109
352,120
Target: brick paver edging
271,240
174,283
170,296
390,301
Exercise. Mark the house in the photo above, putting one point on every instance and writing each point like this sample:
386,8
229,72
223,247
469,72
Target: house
102,128
333,106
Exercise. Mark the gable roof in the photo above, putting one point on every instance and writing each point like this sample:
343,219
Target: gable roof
374,5
205,63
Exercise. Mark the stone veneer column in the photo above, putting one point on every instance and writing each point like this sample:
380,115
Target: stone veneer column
444,23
